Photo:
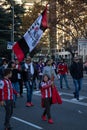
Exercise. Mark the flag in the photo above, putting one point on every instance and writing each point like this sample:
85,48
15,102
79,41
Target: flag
32,37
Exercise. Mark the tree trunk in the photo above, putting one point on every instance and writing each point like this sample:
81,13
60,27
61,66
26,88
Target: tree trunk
52,25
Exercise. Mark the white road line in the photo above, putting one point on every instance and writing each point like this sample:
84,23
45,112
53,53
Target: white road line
71,94
73,100
61,93
28,123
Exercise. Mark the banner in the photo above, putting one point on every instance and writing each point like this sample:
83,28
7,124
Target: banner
32,37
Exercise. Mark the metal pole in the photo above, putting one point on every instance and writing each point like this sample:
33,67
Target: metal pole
13,24
12,29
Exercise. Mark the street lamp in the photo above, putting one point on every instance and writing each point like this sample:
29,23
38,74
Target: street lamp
12,36
12,24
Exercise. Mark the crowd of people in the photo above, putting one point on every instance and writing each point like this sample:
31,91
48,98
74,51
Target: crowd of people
40,76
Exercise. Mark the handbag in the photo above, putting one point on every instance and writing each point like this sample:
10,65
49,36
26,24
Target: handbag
56,98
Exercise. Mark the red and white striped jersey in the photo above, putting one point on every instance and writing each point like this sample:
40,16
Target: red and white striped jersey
62,68
46,90
6,90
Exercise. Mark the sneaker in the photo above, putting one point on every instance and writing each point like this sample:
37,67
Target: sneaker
28,104
32,104
74,94
44,118
77,98
50,121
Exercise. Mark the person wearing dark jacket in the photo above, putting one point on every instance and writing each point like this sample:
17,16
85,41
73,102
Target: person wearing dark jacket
76,71
14,79
3,67
28,78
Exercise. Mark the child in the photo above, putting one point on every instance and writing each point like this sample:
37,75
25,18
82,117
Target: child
14,79
46,95
6,97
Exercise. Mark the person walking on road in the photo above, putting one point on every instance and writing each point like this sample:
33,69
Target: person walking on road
76,71
14,79
63,71
46,96
48,69
6,97
3,67
20,77
28,78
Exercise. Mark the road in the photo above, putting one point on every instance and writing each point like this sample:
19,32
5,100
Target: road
71,115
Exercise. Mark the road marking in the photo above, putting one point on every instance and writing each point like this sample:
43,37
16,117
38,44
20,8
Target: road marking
73,100
84,83
61,93
81,97
28,123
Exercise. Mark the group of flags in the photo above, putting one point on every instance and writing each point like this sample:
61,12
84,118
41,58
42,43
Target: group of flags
32,37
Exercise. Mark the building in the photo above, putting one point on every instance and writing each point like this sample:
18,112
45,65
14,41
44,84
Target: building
82,48
27,2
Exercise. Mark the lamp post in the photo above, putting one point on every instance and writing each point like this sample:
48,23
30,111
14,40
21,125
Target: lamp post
12,36
12,24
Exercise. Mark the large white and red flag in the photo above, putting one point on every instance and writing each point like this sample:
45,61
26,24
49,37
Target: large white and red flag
31,38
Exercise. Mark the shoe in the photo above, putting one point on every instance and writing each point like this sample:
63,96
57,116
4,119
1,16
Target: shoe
77,98
28,104
50,121
74,94
44,118
32,104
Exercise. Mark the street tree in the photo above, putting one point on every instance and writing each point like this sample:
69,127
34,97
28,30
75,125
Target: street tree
6,23
71,22
67,21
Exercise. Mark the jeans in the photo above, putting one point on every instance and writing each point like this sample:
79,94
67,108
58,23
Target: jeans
29,86
78,86
16,88
63,76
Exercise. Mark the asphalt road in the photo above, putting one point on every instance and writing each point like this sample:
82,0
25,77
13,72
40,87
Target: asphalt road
71,115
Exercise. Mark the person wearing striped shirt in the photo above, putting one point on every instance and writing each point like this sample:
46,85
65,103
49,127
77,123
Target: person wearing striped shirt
6,97
46,96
